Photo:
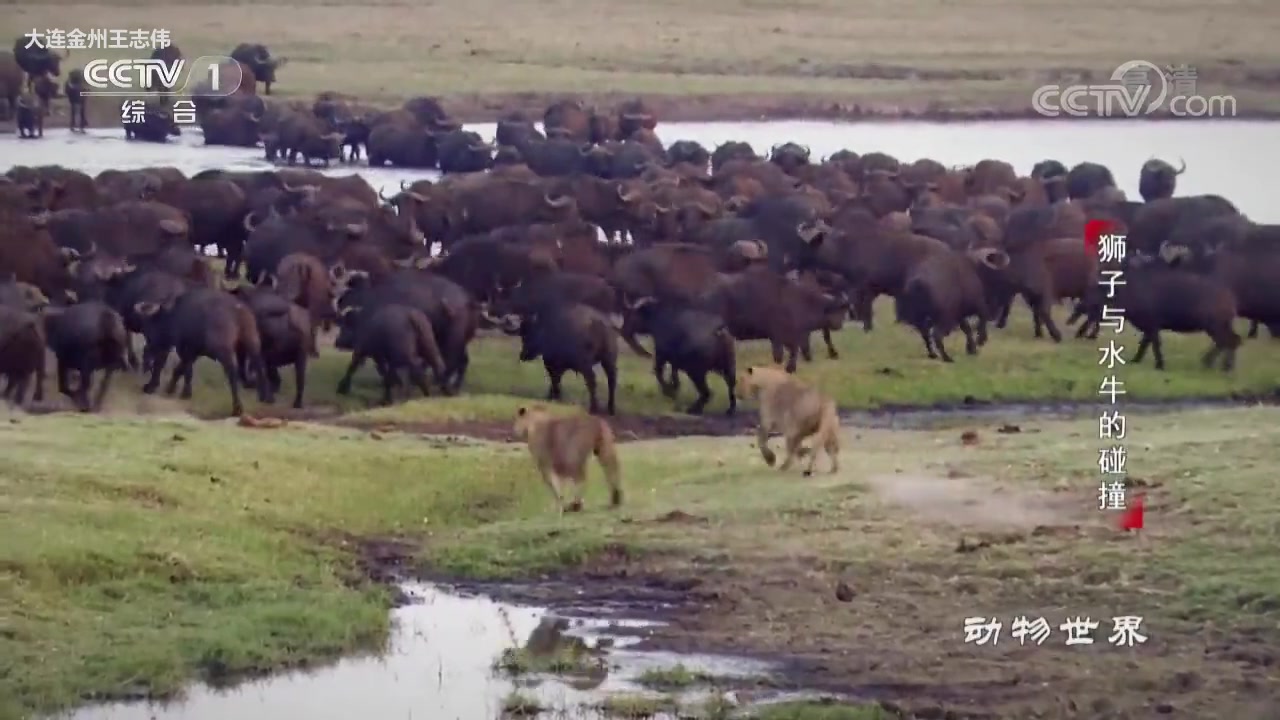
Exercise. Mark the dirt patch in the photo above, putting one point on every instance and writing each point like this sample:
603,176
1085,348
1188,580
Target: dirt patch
972,503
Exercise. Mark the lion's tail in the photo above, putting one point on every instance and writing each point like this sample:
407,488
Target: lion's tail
606,450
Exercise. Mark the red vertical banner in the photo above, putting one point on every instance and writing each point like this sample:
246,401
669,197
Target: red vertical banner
1133,516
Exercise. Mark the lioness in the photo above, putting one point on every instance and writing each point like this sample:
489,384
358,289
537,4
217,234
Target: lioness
560,446
789,406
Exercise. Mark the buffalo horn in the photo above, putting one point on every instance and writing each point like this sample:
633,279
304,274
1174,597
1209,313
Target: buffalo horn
627,197
1183,163
563,201
247,222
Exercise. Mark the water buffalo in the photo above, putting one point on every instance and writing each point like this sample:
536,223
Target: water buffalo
73,88
1158,179
689,340
86,337
156,125
396,337
403,144
944,291
463,151
36,60
29,116
570,337
309,136
259,60
286,333
22,351
203,322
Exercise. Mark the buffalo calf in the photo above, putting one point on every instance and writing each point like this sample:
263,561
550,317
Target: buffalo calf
86,337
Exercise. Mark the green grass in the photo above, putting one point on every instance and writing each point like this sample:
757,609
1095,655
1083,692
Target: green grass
953,56
521,705
232,537
636,707
886,367
676,677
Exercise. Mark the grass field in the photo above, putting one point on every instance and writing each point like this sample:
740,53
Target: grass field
722,59
137,553
885,367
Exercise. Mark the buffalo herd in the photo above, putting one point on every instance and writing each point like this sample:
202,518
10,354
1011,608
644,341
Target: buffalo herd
702,247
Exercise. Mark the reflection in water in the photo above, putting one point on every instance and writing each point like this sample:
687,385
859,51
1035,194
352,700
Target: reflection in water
1232,158
439,666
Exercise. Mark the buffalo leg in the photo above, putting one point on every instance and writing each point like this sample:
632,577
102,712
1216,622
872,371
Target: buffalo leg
1143,344
418,374
62,371
777,349
928,342
388,382
942,349
864,301
86,384
970,344
589,377
1042,311
159,358
982,330
357,360
1157,349
793,357
179,371
831,347
611,382
554,378
1005,308
699,380
103,386
731,386
38,395
273,377
299,379
227,361
806,351
1253,329
660,364
1206,361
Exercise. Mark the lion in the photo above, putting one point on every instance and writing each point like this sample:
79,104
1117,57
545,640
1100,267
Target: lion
560,446
795,409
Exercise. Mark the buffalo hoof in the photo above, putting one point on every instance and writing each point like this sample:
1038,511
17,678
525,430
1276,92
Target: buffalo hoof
832,354
575,506
807,473
344,388
149,389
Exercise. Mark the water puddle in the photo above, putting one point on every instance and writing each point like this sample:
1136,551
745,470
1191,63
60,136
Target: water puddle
460,657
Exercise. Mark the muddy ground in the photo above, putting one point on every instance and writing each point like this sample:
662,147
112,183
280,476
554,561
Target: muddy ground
489,107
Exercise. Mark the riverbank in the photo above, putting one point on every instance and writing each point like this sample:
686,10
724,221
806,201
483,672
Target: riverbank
270,547
724,60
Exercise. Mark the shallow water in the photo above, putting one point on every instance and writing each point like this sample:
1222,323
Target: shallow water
1233,158
438,666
